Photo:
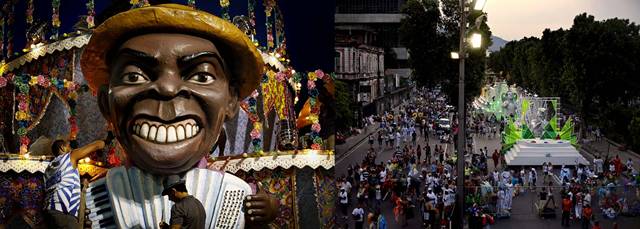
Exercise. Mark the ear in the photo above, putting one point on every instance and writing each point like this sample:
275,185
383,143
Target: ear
103,102
232,107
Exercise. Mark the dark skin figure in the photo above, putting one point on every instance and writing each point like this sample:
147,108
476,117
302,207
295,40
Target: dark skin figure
169,79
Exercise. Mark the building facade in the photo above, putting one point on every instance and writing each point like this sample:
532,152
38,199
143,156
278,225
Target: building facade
369,55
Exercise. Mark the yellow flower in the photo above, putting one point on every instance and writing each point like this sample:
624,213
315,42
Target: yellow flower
73,95
33,81
312,76
271,74
257,126
224,3
134,2
21,115
313,118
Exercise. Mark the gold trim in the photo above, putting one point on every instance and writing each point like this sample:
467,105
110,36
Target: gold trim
66,44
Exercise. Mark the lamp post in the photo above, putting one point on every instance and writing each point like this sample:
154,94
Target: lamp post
476,42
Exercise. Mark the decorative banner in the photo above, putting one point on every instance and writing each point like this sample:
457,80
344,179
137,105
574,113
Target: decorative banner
273,91
325,184
280,184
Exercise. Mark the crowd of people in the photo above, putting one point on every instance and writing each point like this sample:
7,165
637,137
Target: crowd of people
405,169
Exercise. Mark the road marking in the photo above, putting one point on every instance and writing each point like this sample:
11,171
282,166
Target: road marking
348,153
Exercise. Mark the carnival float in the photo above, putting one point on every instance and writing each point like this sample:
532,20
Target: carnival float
532,132
281,138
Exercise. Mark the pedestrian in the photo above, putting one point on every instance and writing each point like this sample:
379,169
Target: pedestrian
344,201
371,138
419,154
496,159
358,216
187,211
566,210
587,214
380,139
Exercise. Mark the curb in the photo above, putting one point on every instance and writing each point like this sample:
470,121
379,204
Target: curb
342,154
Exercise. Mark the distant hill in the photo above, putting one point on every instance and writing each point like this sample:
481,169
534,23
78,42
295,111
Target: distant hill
498,43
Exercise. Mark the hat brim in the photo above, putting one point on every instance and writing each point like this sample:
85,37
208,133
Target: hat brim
243,59
168,188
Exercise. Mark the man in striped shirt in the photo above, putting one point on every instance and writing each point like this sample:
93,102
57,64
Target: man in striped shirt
62,183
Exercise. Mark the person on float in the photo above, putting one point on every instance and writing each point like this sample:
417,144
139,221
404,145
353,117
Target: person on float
62,184
166,78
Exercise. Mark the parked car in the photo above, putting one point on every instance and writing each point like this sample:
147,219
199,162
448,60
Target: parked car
340,138
444,124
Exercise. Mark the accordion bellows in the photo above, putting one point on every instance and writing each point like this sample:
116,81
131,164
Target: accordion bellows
135,200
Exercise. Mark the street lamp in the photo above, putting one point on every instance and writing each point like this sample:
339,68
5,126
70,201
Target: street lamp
476,42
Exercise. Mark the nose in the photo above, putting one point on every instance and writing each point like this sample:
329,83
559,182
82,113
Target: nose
169,84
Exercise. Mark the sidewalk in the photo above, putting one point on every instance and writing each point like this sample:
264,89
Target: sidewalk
354,140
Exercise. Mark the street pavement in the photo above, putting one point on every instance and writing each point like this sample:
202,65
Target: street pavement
346,157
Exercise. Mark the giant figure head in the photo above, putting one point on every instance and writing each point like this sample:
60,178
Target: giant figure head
167,78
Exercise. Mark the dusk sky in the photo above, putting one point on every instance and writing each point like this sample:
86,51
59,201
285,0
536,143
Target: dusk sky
515,19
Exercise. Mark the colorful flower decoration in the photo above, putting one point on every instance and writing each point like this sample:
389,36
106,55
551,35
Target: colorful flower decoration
90,13
29,12
312,77
225,9
55,17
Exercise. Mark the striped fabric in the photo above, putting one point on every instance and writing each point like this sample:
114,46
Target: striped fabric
62,185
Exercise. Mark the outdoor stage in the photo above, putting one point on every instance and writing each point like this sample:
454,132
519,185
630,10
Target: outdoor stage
534,152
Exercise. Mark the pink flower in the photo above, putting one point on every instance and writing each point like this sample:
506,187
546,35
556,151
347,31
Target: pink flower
311,85
319,74
3,82
23,106
255,134
280,76
42,81
316,127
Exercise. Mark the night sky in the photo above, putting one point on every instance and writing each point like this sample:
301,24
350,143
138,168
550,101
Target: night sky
308,25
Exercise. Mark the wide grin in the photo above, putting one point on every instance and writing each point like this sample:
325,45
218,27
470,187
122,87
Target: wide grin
162,133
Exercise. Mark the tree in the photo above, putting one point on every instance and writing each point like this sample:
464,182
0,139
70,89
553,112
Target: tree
344,112
431,36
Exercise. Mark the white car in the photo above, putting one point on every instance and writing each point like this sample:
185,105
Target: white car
444,124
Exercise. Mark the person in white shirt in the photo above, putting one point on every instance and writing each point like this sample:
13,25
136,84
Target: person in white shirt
344,202
383,176
358,216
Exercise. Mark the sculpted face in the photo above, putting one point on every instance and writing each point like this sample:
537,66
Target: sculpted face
168,96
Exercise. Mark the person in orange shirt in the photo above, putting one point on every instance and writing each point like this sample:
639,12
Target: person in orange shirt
587,214
566,210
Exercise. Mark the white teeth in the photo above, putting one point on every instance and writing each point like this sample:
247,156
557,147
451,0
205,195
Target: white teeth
171,134
189,131
161,136
152,133
159,133
180,132
144,130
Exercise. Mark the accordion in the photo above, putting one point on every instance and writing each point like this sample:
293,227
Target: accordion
131,198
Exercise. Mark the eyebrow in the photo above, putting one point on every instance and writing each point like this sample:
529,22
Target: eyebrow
144,57
188,58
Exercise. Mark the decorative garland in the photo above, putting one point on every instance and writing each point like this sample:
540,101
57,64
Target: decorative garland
29,13
225,9
11,15
256,133
281,46
315,107
192,3
268,8
252,20
90,14
2,38
138,3
55,18
23,84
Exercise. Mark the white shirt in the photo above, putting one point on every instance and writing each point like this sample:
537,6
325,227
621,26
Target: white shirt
359,212
344,199
383,175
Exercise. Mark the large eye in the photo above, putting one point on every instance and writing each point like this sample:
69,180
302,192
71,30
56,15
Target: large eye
134,78
202,78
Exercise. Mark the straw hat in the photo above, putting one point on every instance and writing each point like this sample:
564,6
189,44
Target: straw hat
245,61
